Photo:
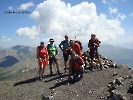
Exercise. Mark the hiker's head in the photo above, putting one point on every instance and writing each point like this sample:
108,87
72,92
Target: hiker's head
42,43
73,54
66,37
93,36
71,42
51,40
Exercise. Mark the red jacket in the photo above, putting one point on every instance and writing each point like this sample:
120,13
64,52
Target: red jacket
42,52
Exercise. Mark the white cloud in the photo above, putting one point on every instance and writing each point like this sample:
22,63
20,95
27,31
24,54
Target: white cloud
28,31
131,15
3,37
121,16
26,5
56,18
104,1
32,38
113,10
10,8
6,39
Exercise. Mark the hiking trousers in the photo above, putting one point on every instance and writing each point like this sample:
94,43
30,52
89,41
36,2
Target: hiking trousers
78,74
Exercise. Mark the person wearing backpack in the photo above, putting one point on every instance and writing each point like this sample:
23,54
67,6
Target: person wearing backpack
65,47
76,67
42,56
75,47
53,52
93,45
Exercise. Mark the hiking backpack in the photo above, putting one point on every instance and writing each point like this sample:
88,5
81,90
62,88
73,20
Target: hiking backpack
79,43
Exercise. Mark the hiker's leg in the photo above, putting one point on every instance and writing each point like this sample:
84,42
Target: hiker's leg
43,71
39,64
91,57
56,62
57,65
81,72
75,76
50,65
65,60
97,57
99,60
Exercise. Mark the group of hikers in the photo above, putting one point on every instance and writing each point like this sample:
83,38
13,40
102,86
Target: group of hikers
73,47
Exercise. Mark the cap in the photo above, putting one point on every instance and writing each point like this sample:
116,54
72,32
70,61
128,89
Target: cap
93,34
51,40
42,42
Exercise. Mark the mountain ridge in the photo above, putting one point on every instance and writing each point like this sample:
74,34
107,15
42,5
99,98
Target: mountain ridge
24,58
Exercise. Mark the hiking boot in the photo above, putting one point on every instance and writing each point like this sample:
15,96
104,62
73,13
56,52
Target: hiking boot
58,72
51,73
101,67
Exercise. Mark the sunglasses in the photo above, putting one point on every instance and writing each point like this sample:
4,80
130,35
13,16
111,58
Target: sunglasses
42,43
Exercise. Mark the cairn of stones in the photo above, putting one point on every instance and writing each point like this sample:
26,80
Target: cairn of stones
105,61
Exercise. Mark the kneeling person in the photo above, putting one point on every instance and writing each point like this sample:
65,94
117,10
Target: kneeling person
76,67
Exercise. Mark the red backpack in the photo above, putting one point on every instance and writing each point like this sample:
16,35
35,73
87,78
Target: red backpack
79,43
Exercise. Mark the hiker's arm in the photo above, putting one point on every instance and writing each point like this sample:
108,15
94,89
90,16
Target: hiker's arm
56,53
82,63
68,48
37,53
79,50
60,47
47,55
89,45
97,44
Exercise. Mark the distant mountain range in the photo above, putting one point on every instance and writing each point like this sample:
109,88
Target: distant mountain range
21,58
17,59
2,48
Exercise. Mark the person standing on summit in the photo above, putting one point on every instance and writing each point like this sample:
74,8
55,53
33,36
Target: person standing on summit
53,53
42,56
65,47
93,45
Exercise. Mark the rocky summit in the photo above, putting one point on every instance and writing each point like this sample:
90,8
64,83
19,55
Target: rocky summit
113,82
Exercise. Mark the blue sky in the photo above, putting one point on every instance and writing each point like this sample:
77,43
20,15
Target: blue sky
36,20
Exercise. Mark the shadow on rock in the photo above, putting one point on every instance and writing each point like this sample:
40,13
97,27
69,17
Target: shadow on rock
26,81
55,78
65,82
